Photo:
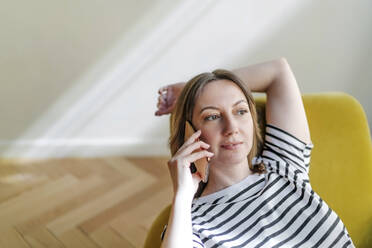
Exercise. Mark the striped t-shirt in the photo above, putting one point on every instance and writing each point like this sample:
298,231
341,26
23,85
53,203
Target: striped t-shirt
275,209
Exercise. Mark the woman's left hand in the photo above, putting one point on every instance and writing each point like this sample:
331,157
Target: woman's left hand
167,98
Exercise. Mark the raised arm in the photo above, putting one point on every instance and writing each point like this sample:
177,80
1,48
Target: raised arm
284,106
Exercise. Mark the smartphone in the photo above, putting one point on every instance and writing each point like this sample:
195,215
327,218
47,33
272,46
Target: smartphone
201,165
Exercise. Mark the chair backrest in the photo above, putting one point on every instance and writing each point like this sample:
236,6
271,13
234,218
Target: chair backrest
341,163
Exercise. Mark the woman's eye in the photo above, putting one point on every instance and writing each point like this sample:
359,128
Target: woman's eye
211,117
242,111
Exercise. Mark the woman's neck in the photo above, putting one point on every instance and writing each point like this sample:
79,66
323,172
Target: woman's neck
223,177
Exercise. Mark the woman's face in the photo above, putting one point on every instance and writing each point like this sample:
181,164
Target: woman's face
222,113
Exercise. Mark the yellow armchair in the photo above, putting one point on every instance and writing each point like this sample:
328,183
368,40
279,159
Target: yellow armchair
341,163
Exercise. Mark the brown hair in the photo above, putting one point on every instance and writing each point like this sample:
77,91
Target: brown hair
183,112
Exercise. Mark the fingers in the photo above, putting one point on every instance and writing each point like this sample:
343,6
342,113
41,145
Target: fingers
192,138
162,112
190,147
168,97
163,108
192,157
162,98
194,146
162,104
198,155
163,90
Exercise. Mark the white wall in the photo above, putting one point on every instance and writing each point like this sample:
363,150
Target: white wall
79,78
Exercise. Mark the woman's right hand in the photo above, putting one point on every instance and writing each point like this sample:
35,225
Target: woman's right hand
185,182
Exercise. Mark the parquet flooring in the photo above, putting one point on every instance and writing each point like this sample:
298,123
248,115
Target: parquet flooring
90,202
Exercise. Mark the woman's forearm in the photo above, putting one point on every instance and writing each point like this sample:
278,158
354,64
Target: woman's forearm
179,229
259,77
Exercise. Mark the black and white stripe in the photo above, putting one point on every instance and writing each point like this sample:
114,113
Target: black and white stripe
276,209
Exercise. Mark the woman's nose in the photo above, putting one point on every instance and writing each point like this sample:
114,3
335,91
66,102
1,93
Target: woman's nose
231,126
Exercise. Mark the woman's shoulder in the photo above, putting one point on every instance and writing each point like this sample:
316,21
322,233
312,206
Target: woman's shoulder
281,149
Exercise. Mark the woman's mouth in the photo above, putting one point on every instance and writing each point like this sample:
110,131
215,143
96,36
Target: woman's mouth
231,146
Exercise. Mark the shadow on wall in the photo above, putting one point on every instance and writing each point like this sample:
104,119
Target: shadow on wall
62,67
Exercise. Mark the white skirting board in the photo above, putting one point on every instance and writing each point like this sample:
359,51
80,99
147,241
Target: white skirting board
80,148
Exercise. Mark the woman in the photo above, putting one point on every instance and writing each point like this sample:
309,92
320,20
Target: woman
249,200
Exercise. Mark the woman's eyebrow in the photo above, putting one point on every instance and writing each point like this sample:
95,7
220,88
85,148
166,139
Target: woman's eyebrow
213,107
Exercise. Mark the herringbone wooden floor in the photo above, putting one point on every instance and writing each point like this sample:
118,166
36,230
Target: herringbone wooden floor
100,202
